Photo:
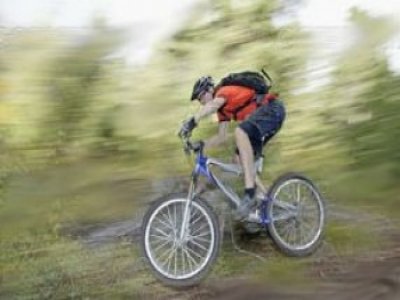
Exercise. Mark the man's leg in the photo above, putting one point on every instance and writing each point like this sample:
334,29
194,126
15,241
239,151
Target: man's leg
246,156
261,125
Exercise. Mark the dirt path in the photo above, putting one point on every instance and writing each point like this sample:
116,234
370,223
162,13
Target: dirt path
378,279
367,275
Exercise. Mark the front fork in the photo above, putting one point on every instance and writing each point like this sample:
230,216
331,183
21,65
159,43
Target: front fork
186,214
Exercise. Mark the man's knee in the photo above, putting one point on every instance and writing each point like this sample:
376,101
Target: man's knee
240,133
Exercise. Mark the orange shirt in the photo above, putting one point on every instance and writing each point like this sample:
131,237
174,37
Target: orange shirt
235,97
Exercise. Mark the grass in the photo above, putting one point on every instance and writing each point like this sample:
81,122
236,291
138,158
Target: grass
276,269
55,268
38,261
349,240
84,192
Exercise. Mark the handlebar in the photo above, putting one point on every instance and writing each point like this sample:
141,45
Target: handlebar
188,145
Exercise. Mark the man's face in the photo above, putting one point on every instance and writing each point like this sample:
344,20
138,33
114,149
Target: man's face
206,97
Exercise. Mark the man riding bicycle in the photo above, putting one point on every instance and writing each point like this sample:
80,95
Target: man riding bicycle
259,120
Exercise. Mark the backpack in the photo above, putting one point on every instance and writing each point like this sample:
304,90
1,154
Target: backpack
250,79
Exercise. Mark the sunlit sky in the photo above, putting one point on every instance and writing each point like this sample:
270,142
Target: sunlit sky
125,12
158,18
77,13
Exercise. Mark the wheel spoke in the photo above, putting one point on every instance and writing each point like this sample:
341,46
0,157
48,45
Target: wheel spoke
162,232
170,218
175,260
301,237
283,217
160,246
292,237
159,237
165,224
289,231
298,235
298,193
308,227
310,218
200,239
201,234
191,260
309,209
306,235
285,229
166,254
195,221
194,253
284,205
183,261
166,218
175,219
199,229
169,259
287,193
198,245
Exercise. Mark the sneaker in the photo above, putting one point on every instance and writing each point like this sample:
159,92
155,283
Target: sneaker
245,207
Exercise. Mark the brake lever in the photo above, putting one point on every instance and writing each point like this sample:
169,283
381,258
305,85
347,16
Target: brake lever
187,146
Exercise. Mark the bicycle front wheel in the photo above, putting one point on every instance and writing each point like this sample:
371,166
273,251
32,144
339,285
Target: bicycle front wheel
174,260
296,212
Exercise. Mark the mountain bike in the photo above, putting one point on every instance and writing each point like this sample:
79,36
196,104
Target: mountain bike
180,232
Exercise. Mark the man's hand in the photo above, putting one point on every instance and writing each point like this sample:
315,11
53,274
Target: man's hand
187,127
198,145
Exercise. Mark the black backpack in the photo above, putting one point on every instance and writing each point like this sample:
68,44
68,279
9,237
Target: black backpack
250,79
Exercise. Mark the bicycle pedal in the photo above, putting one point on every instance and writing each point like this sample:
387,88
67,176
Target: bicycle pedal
253,216
260,196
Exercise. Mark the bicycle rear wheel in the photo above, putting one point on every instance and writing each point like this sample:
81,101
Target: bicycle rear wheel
174,261
296,211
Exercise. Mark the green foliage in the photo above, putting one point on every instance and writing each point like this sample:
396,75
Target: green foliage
366,104
74,83
67,97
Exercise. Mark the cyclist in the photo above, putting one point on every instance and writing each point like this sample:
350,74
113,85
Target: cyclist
258,123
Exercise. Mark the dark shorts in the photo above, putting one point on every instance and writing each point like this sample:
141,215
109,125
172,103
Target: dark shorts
263,124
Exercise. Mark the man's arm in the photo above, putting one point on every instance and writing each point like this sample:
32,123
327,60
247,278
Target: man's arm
208,109
220,138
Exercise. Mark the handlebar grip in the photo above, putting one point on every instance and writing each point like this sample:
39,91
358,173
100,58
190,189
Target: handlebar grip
198,146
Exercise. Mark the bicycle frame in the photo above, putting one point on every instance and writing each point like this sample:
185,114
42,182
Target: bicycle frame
202,168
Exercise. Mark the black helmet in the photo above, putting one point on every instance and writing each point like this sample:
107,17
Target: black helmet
201,84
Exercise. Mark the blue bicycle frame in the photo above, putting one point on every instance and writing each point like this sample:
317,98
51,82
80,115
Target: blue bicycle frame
202,168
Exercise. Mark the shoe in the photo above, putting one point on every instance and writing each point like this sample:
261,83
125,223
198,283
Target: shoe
246,206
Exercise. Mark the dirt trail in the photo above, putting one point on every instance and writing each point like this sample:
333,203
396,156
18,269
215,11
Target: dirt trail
369,275
368,280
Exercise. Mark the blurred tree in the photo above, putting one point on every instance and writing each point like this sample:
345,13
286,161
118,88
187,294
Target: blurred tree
365,102
74,84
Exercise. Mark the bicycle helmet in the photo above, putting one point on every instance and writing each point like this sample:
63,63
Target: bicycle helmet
201,85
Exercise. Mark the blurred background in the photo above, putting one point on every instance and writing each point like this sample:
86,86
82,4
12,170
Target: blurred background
92,94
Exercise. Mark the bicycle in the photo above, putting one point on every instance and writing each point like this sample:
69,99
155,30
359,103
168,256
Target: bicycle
180,232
